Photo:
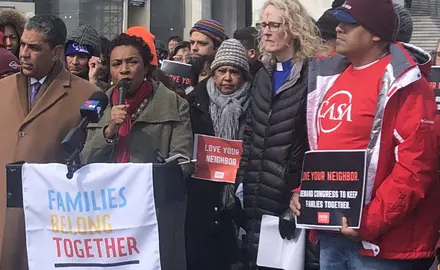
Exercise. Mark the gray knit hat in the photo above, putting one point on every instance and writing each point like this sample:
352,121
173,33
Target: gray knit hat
231,53
404,24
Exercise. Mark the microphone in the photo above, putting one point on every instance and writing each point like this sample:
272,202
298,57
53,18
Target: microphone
91,112
123,86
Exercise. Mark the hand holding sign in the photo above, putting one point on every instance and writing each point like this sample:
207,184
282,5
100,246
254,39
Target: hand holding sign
295,204
332,187
348,232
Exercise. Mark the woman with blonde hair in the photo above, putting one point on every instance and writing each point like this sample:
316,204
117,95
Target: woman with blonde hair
275,138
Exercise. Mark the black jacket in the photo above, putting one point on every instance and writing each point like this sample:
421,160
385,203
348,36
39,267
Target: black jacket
274,144
210,233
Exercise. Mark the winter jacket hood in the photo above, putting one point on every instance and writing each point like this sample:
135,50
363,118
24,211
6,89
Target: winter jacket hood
421,57
86,36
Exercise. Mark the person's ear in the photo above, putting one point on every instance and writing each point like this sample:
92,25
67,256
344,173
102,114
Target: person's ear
252,54
57,52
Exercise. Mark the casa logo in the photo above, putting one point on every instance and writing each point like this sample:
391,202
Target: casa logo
334,111
14,65
80,48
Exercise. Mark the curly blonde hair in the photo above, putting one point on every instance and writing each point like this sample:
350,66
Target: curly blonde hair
305,34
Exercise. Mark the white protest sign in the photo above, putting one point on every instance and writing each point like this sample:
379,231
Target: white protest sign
104,217
279,253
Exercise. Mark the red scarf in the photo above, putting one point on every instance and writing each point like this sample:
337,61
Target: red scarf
122,153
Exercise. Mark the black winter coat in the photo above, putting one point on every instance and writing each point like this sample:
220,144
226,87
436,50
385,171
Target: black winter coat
211,241
274,144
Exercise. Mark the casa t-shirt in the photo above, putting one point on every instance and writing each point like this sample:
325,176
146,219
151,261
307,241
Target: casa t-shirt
346,114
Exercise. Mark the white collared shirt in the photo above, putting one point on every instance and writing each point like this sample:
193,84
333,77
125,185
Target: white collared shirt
41,81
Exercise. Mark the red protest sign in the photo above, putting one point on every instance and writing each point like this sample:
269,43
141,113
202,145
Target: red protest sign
217,159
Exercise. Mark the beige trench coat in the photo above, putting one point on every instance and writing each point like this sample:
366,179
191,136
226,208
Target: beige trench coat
33,135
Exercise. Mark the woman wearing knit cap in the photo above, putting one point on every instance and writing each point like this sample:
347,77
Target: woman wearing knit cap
218,107
157,74
206,36
275,136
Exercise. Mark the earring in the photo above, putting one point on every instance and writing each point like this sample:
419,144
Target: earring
111,83
145,79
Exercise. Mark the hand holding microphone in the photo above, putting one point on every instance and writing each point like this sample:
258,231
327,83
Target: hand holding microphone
118,116
119,112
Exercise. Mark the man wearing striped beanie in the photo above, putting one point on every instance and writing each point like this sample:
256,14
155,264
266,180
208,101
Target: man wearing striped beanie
206,36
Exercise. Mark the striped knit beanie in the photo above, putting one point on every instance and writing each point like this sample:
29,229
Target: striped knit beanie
231,53
404,24
211,28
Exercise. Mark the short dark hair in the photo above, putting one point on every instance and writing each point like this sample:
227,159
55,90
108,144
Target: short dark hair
248,36
175,38
137,42
53,28
200,65
180,45
104,45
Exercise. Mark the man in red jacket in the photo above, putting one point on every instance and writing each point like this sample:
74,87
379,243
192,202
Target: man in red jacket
373,96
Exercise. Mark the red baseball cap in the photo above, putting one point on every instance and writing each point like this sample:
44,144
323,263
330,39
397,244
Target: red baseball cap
8,62
378,16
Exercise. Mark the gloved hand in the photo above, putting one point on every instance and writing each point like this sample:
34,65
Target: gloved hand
231,205
287,225
229,200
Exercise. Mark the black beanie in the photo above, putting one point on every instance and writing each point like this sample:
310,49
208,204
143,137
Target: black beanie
337,3
327,25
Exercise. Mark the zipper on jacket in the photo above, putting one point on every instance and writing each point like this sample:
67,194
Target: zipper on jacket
264,148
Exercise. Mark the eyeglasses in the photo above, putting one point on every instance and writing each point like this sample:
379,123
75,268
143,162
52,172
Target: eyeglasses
178,58
273,26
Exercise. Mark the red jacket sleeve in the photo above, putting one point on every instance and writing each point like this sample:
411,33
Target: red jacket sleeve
416,165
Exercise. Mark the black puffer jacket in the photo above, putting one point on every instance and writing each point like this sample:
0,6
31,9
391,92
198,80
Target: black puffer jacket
274,144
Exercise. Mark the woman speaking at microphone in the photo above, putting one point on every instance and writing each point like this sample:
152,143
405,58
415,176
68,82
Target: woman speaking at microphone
152,116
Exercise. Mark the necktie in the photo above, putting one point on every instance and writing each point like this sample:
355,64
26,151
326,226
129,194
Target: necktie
36,88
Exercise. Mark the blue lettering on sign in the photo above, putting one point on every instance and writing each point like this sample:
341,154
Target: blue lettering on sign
87,201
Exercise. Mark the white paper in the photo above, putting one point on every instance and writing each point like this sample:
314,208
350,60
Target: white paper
275,252
104,217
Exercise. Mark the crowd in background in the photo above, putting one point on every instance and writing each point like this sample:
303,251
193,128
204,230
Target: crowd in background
268,86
